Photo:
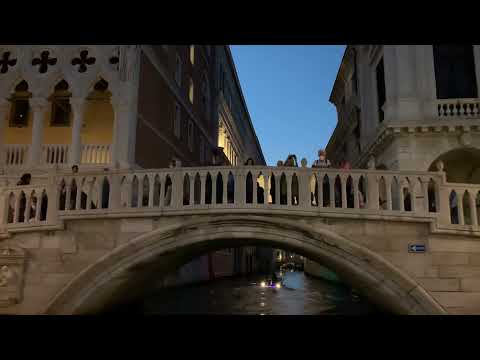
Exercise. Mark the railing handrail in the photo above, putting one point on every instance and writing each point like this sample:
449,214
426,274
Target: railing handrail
134,198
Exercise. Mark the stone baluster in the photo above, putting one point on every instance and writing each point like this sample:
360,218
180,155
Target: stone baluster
203,180
214,188
151,190
16,213
39,206
473,209
39,107
426,206
331,183
114,201
225,183
356,191
240,187
461,218
278,178
254,189
343,179
191,200
373,193
388,190
319,180
89,193
78,201
68,194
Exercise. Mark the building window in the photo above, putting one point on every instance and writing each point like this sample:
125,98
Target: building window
178,70
177,121
455,71
381,94
61,109
192,54
190,91
190,135
20,106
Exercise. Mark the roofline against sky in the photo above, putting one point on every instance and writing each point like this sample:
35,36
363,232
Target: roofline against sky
237,81
337,78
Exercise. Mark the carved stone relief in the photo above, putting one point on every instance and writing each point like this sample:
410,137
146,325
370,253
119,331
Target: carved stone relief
12,266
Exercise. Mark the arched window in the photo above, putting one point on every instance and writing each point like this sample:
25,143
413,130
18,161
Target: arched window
61,109
190,91
178,70
192,54
455,71
20,106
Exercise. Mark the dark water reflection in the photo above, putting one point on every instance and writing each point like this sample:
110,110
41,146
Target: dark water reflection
299,295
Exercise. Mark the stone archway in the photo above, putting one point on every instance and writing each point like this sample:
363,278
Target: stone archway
120,273
462,165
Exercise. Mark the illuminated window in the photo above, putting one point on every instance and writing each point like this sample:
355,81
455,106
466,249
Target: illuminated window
192,54
177,121
20,106
190,91
61,109
178,70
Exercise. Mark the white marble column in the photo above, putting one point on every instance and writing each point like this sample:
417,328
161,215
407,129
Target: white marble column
4,109
119,149
78,108
39,107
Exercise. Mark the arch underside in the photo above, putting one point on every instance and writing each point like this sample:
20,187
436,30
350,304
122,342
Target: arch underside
126,272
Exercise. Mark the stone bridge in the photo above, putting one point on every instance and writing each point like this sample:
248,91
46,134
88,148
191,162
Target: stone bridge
80,243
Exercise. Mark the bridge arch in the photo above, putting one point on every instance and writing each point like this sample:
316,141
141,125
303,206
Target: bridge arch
120,272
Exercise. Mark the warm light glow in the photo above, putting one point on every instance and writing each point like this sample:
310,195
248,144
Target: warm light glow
262,284
278,285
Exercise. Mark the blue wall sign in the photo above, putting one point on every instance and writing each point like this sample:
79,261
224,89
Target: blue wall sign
416,248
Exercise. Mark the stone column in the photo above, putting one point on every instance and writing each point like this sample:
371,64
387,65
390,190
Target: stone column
120,144
78,108
39,107
4,109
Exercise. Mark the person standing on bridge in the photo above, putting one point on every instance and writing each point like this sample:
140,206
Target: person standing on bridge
322,162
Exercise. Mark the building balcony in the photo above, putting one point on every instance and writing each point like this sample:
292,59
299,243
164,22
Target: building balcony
16,156
458,108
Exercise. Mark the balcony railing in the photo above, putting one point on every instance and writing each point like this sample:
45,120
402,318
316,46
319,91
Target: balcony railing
464,108
96,154
16,154
390,195
55,153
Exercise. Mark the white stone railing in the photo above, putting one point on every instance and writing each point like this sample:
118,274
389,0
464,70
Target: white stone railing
28,206
96,154
464,205
15,154
390,195
55,153
465,108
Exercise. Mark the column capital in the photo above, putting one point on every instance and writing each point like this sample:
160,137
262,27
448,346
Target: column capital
38,104
121,103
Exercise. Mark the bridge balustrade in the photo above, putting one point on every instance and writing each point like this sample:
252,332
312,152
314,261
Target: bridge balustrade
155,192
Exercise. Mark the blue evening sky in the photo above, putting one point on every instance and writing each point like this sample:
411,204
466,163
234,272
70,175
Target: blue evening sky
287,90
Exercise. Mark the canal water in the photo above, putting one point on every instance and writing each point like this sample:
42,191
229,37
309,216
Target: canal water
299,294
